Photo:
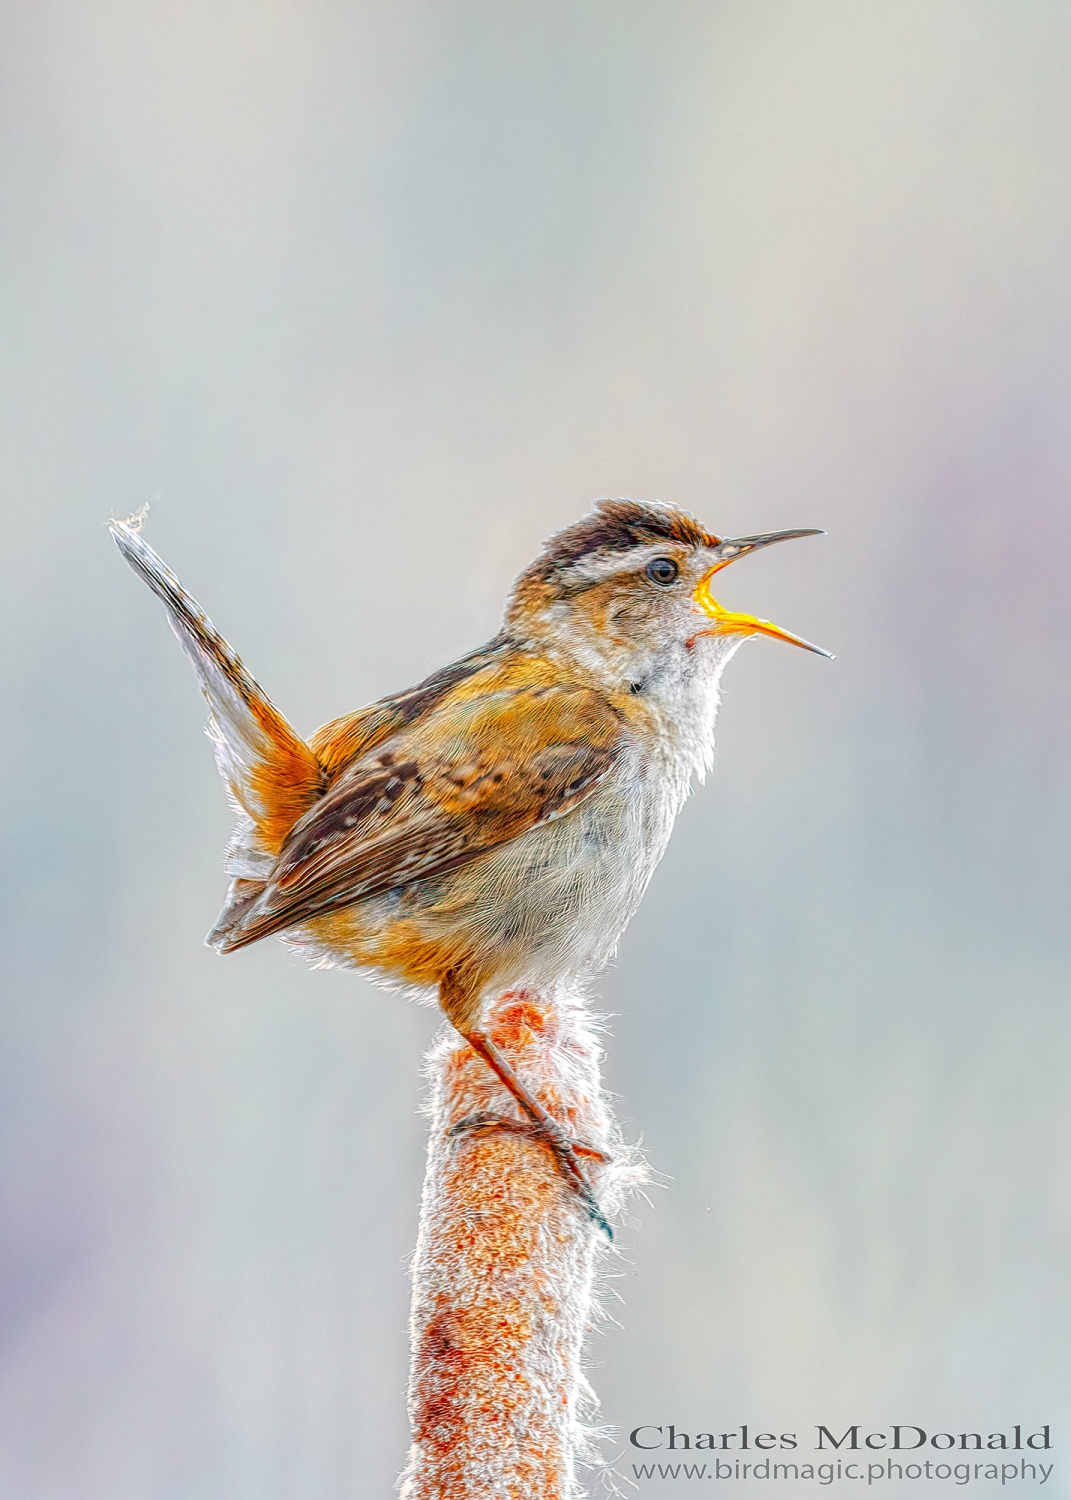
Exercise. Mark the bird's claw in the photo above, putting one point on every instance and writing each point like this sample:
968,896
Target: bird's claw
559,1141
564,1147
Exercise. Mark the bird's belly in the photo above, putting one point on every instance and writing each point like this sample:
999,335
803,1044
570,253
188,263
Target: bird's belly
558,899
546,905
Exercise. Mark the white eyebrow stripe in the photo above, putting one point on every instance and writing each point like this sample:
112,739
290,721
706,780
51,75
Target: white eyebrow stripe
597,568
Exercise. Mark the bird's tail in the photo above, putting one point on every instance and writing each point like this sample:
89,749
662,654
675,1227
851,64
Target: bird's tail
271,775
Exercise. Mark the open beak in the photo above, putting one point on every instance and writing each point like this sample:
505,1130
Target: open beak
728,623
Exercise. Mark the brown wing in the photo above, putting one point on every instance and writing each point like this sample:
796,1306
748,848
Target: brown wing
343,741
481,769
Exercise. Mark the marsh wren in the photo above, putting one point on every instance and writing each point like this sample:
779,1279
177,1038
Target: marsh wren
495,826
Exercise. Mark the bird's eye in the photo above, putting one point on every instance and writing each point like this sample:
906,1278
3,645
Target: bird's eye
662,570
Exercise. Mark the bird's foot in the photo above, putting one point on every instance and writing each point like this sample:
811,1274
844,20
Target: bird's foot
564,1148
540,1126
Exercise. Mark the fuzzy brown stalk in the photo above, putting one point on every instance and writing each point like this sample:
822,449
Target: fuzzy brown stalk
505,1264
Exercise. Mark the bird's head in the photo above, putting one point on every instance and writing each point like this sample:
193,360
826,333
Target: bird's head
628,592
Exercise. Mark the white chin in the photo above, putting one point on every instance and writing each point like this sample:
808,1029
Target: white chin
717,649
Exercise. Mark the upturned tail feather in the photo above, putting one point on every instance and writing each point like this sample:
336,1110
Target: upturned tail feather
271,775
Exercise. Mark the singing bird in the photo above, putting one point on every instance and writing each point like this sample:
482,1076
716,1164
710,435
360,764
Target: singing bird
495,826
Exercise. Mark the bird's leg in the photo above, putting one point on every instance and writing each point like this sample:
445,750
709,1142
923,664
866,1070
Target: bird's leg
459,996
544,1126
548,1126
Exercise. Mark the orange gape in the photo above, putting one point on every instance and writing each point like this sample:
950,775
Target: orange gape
495,826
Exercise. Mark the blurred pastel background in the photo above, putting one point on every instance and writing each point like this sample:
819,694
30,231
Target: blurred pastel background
371,297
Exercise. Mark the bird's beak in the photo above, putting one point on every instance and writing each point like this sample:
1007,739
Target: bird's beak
728,623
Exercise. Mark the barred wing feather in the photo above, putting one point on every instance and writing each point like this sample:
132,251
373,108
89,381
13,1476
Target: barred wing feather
468,778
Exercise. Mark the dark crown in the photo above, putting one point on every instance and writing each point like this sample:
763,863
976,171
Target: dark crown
615,526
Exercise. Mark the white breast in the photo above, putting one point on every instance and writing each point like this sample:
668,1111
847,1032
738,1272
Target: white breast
554,903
